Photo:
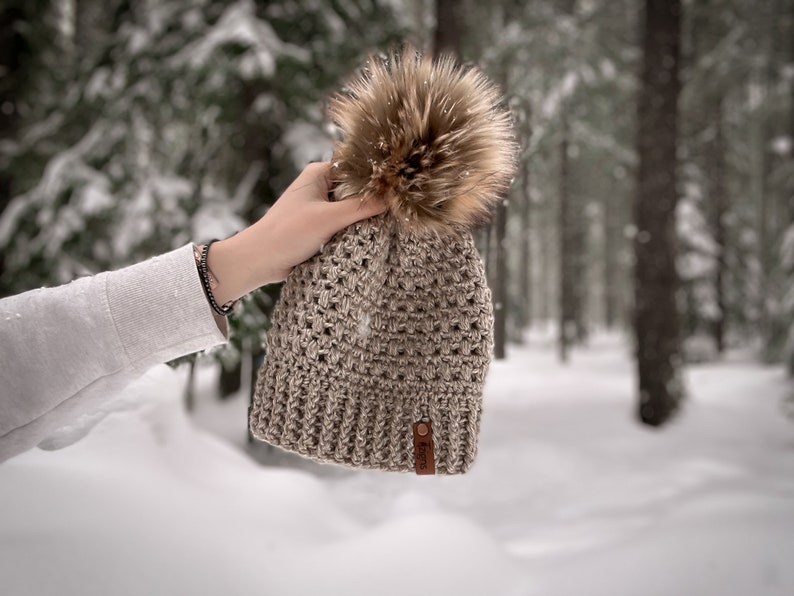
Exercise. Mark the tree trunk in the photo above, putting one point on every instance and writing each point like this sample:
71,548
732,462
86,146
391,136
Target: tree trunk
655,276
448,32
719,201
499,287
190,386
612,238
758,190
790,191
579,225
567,312
231,379
769,294
791,119
525,256
546,231
569,234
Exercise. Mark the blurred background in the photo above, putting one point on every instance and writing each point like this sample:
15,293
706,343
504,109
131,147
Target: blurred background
131,127
648,235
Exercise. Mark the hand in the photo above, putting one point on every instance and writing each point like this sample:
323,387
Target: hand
292,230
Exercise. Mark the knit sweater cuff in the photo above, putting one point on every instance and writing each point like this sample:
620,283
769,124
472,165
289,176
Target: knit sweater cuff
160,310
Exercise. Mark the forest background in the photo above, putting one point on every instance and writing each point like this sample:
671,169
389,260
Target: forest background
655,191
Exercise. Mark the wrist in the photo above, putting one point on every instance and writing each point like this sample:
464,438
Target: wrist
210,282
240,265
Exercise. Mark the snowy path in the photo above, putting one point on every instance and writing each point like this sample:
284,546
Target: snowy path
569,497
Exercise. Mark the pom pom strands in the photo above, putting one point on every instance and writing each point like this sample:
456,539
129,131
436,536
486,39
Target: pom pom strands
429,136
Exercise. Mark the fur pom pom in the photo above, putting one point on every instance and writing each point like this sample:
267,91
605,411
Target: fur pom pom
428,135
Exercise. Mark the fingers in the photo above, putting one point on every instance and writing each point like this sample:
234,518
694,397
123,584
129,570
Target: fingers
349,211
318,167
320,173
337,215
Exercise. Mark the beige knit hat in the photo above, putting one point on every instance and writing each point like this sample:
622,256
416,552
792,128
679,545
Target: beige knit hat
380,344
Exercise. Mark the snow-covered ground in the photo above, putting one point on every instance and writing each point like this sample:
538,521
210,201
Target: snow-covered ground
569,496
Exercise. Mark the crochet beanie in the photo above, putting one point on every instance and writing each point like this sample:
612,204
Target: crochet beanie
380,344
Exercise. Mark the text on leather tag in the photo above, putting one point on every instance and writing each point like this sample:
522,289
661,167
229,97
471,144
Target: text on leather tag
424,459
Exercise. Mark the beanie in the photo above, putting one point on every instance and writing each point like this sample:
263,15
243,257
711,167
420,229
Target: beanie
380,344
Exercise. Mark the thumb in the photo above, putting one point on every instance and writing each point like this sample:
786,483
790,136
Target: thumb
349,211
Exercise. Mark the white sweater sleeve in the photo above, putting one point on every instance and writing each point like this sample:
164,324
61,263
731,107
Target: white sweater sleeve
65,350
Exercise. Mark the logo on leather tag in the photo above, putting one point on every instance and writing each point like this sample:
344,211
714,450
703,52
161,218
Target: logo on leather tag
424,459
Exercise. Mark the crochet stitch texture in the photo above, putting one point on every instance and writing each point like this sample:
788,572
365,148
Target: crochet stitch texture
372,335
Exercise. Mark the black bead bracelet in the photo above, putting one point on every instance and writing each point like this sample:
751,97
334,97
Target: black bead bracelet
205,274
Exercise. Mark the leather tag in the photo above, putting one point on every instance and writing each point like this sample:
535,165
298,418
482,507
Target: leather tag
424,459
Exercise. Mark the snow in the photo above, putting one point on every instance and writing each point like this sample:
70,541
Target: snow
136,222
787,249
239,24
569,496
699,261
95,196
99,85
307,142
781,145
59,172
158,199
216,220
559,93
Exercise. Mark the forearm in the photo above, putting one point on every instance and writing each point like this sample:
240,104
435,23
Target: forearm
64,350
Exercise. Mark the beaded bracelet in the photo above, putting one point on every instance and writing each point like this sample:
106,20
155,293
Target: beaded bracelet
209,281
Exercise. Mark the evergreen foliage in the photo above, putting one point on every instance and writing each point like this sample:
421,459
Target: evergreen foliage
177,121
